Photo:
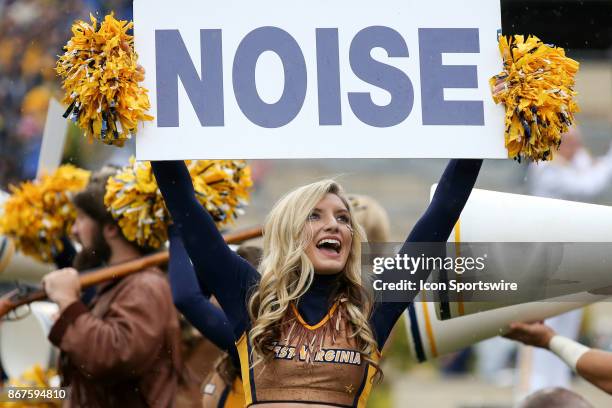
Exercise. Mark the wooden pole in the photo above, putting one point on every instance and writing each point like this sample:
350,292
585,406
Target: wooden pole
14,299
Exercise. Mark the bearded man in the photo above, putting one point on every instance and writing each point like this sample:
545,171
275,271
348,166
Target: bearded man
122,349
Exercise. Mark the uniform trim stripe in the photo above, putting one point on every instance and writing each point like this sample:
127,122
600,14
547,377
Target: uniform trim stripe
416,334
235,398
428,329
361,387
445,312
460,306
331,404
361,398
243,355
223,398
328,316
252,390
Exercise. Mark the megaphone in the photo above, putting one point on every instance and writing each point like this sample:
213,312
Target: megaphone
13,264
429,337
530,219
501,218
23,342
492,216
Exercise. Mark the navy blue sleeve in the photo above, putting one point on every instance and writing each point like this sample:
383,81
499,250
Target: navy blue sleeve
224,273
196,283
65,258
435,225
192,302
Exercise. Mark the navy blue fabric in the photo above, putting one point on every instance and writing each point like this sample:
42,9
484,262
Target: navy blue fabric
435,225
230,278
316,302
65,258
226,274
191,301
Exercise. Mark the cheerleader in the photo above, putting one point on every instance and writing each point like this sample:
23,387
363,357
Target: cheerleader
306,329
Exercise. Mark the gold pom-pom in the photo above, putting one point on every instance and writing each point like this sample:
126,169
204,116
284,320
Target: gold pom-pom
39,213
134,200
537,88
221,186
100,77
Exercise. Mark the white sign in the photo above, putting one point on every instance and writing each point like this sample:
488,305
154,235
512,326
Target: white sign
53,140
317,79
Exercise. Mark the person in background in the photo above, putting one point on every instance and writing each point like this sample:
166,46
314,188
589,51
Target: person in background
593,365
573,174
371,216
123,348
555,397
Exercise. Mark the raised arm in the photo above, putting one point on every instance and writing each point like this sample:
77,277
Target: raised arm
593,365
187,283
448,201
228,276
192,301
435,225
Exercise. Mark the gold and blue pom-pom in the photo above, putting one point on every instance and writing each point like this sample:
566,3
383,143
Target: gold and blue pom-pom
39,213
134,200
221,186
537,89
100,77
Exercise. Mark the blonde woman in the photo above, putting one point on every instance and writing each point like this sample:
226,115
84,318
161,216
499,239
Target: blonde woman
307,332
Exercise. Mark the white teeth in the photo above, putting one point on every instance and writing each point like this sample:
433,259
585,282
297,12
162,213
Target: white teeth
329,241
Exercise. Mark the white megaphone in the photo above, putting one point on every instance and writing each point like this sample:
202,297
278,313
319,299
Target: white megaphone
429,337
529,219
501,218
23,342
15,265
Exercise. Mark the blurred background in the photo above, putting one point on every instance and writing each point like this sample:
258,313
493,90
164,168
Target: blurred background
32,33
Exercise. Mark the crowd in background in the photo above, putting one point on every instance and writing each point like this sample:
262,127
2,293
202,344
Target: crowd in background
32,34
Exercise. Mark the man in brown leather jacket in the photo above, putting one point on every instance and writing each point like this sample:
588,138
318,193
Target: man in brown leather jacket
123,348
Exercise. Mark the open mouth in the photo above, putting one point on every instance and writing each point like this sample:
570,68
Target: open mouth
329,245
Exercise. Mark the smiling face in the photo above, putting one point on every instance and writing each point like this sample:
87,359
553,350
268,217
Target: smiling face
332,236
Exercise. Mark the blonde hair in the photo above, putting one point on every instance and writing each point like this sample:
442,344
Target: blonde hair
287,272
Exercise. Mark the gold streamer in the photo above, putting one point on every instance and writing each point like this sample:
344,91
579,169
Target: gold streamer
100,77
39,213
134,200
538,92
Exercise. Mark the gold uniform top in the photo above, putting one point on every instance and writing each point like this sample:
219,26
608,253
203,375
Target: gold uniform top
310,364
